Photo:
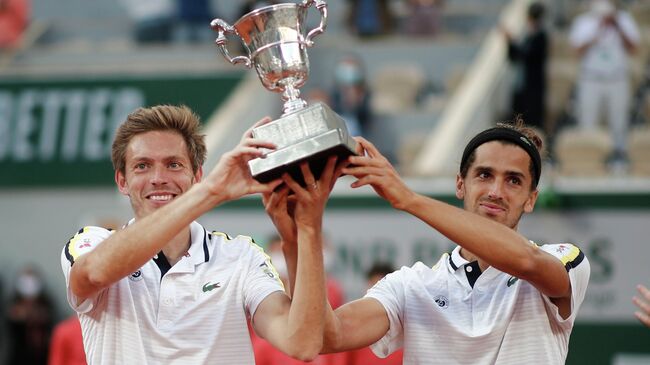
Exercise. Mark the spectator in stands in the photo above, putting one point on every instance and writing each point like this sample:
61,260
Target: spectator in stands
250,5
351,95
153,20
603,38
66,347
193,21
14,17
529,58
368,18
265,354
643,302
29,315
423,17
365,355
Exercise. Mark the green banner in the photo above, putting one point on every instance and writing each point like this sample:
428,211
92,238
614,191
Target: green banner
59,132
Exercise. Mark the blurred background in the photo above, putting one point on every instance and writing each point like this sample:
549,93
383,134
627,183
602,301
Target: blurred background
416,77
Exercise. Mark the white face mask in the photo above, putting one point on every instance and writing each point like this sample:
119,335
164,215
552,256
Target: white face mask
28,286
348,74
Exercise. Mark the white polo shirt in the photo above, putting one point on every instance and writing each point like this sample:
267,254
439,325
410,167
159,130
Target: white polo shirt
439,318
193,314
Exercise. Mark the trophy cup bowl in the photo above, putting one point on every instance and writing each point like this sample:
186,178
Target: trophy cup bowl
276,41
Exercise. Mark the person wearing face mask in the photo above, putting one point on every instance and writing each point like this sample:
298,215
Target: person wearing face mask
351,96
603,37
30,319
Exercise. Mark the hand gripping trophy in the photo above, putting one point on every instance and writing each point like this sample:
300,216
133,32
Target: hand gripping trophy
274,37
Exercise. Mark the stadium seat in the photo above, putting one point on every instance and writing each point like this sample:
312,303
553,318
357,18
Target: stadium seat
583,153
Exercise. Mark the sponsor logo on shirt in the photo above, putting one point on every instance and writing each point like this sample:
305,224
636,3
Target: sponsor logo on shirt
136,276
267,270
512,280
208,287
84,243
441,301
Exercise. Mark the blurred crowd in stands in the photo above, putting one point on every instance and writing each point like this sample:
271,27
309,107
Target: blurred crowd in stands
14,17
35,336
599,125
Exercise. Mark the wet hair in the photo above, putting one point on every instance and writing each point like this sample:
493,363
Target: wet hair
516,133
178,119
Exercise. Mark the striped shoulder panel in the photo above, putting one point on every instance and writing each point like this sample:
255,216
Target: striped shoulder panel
267,265
569,254
573,257
77,245
222,234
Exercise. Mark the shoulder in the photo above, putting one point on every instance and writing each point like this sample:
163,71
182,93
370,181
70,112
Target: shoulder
418,270
234,246
570,254
84,241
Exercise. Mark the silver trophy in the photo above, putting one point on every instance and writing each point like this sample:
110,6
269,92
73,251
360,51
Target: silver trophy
276,42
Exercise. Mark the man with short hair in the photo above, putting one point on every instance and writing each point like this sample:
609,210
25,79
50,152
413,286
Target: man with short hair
163,289
498,298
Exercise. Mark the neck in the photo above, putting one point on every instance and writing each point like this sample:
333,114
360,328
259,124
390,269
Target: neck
177,246
469,256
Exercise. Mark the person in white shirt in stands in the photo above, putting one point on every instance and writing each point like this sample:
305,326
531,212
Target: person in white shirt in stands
603,37
498,298
163,289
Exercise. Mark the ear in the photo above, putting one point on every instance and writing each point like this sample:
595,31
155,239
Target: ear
460,187
199,175
530,202
120,181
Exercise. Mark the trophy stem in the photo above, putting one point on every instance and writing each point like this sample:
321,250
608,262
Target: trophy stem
291,97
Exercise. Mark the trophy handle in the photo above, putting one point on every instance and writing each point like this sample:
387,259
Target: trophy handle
321,5
219,25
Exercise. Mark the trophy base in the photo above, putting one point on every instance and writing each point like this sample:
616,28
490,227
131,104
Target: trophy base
317,133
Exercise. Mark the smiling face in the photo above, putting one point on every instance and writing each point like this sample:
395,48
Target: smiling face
498,183
157,170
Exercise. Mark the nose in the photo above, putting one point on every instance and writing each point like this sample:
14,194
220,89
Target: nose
496,190
158,176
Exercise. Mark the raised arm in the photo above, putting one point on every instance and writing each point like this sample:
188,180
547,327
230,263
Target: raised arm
128,249
354,325
493,242
295,326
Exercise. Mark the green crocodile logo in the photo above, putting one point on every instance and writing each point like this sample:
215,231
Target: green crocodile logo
512,280
207,286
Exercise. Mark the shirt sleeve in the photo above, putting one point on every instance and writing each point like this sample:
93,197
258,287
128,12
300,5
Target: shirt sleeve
389,291
80,244
262,278
583,30
577,265
629,27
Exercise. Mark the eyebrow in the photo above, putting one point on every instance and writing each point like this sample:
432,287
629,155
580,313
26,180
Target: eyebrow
166,158
507,172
